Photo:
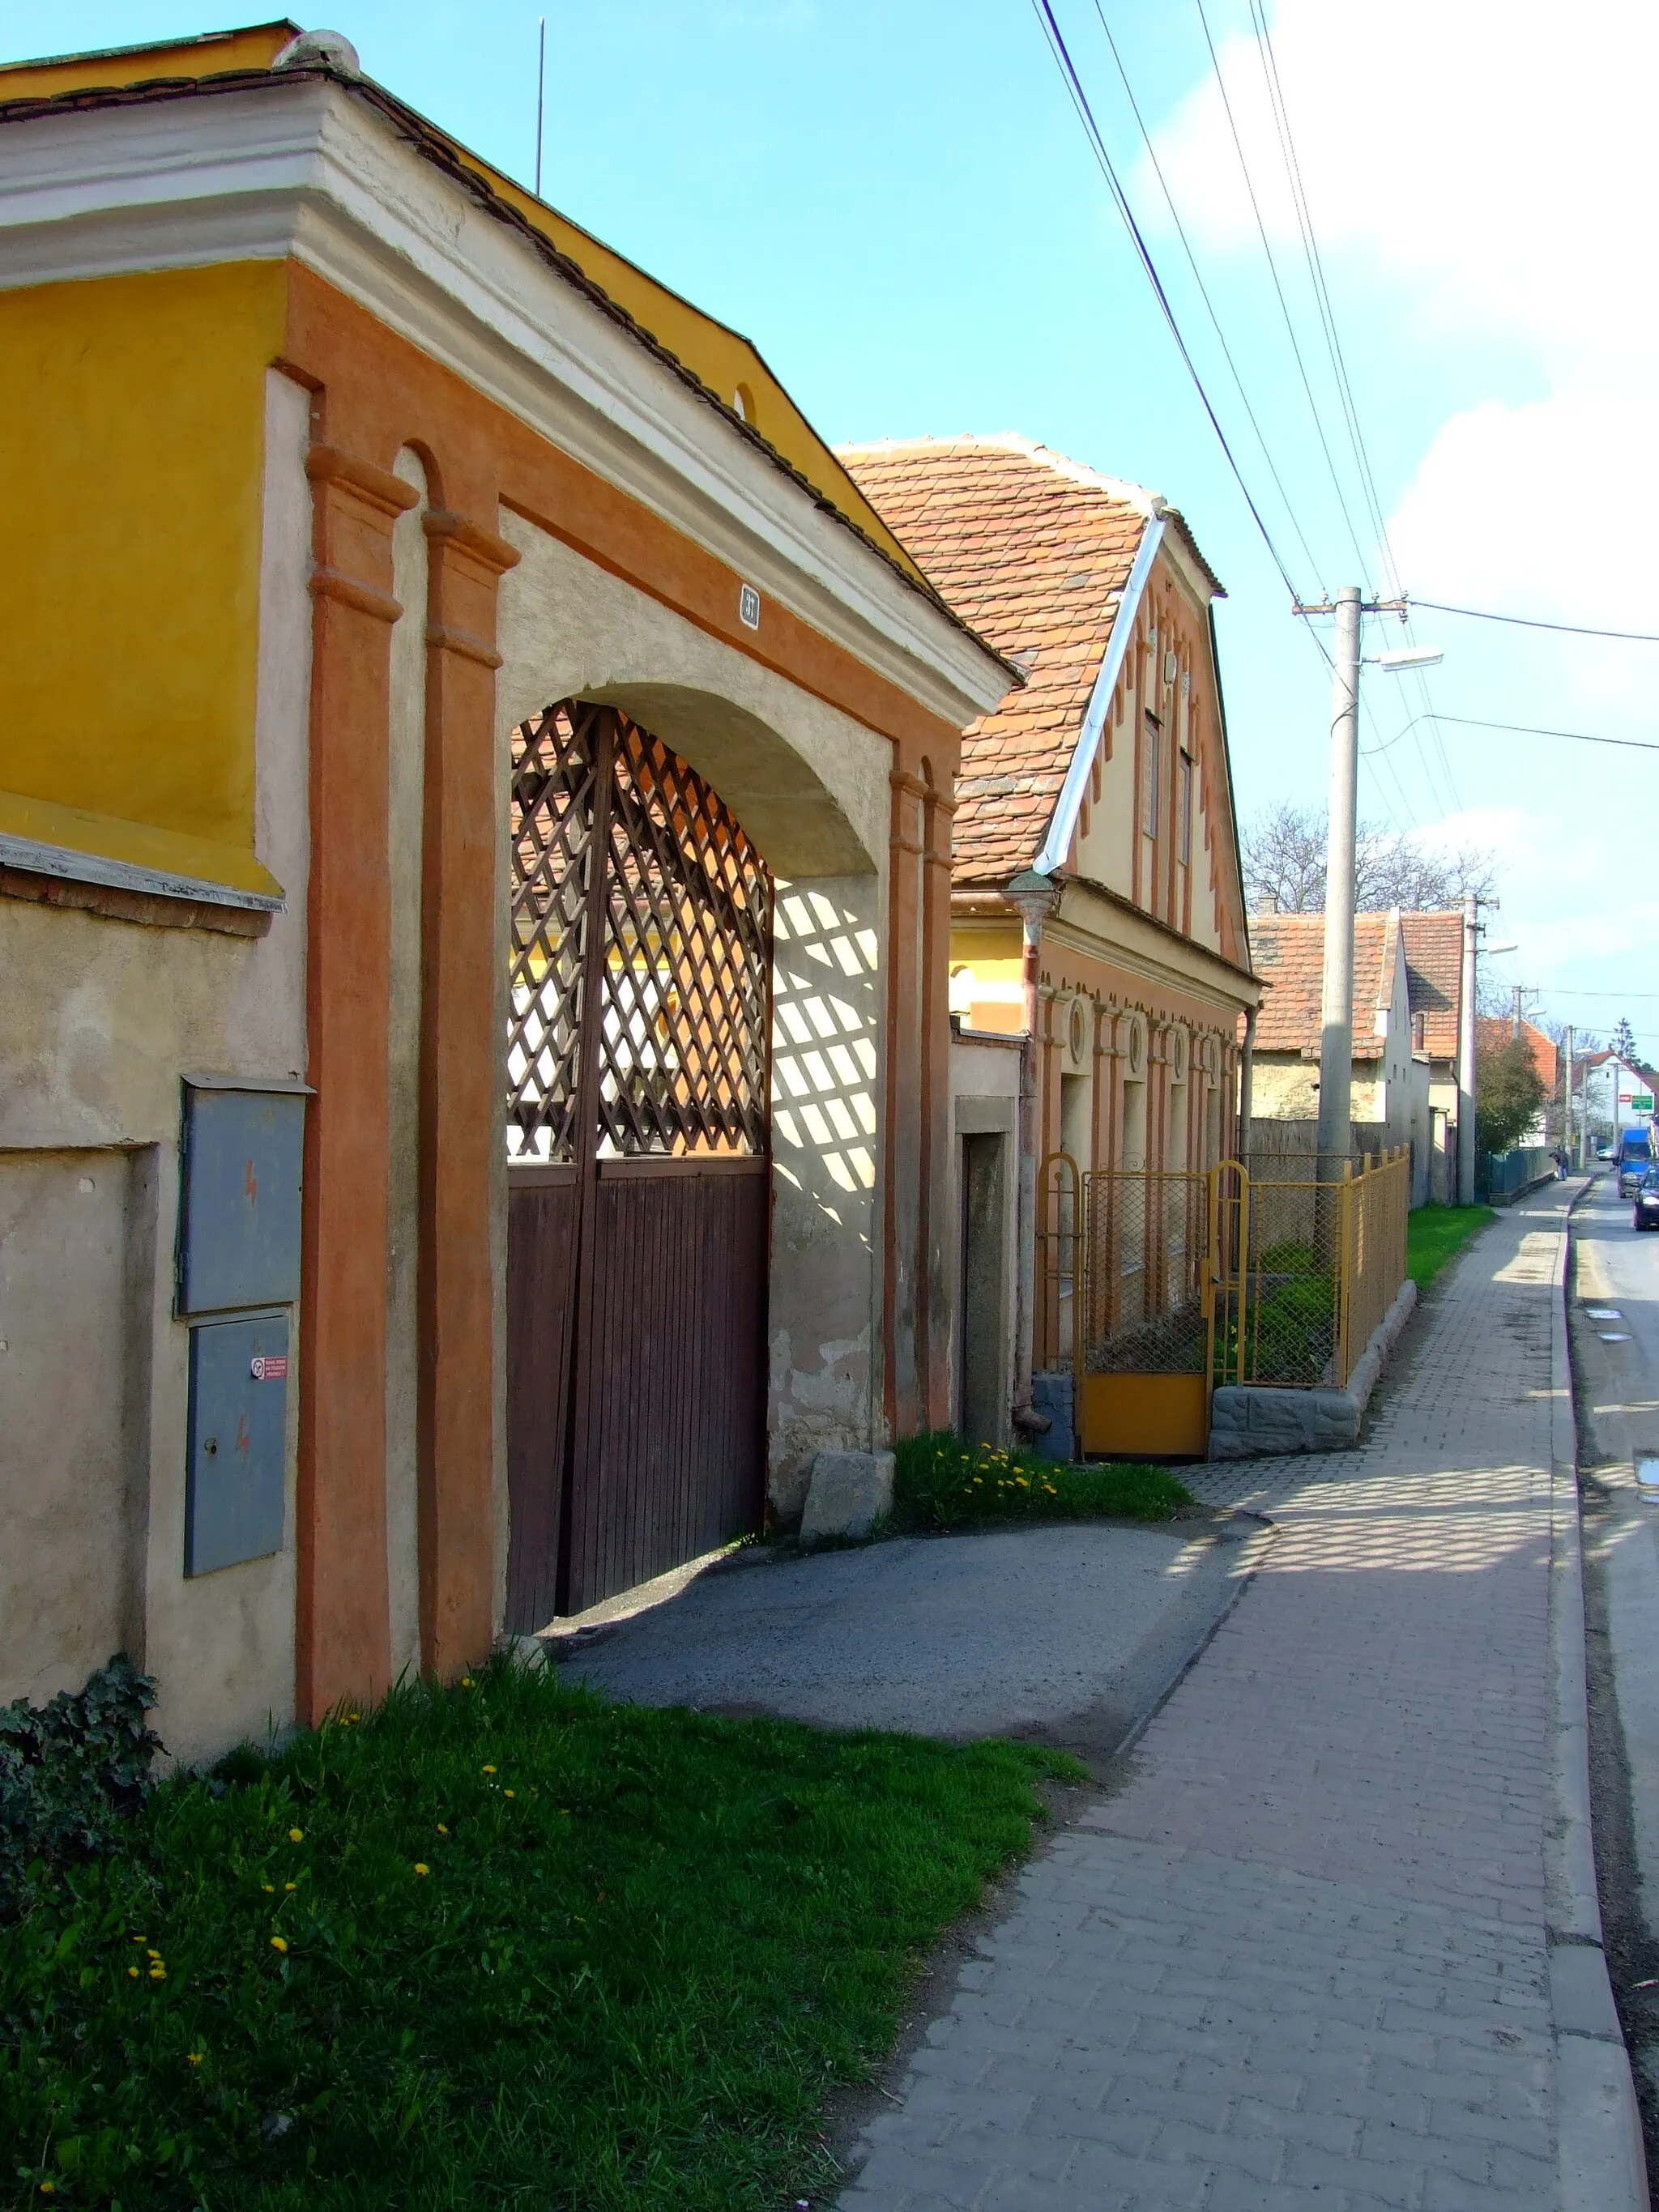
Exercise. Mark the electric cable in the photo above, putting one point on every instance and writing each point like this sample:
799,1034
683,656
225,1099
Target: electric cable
1204,294
1283,304
1092,130
1520,729
1532,622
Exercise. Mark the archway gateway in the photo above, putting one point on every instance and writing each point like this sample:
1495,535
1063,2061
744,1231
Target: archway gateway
638,1135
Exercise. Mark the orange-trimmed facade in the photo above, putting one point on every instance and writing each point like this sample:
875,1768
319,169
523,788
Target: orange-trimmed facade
1097,909
396,473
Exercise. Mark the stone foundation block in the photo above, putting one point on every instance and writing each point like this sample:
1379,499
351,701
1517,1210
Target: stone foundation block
1052,1394
1246,1423
847,1493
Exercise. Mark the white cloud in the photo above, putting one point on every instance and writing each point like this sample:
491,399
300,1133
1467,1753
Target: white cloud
1494,161
1487,171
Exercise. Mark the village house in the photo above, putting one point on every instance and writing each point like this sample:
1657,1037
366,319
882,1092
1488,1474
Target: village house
1405,1039
1097,931
1546,1056
469,748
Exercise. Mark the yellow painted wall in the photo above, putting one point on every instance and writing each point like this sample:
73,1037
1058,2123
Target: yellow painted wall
723,359
253,47
131,502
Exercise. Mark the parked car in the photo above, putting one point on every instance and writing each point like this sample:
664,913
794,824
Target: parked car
1604,1152
1635,1158
1647,1201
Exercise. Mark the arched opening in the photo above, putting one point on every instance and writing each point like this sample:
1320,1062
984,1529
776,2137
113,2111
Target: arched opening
638,1140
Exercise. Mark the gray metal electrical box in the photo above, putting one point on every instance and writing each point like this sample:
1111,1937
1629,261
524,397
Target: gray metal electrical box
237,1441
239,1236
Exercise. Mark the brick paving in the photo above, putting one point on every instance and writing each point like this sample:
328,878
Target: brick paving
1298,1959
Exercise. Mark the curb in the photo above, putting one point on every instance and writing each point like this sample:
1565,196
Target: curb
1601,2166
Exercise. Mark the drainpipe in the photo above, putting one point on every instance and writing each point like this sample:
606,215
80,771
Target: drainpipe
1246,1082
1035,896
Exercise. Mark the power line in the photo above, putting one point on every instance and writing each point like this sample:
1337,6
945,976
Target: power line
1091,130
1280,108
1273,270
1203,291
1532,622
1520,729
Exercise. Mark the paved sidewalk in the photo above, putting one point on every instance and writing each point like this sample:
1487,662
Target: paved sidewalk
1299,1959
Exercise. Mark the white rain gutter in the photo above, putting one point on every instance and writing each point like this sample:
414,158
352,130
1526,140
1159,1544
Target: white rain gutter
1064,819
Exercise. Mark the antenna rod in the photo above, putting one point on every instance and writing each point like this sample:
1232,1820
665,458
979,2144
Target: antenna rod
540,89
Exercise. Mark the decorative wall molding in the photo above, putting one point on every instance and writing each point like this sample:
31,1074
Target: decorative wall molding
305,168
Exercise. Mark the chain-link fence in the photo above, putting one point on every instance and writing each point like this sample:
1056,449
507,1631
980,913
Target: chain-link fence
1275,1277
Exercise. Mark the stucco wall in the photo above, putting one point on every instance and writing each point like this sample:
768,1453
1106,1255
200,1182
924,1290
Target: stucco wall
810,785
99,1020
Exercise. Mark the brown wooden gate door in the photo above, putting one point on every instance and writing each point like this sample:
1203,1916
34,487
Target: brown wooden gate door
638,1204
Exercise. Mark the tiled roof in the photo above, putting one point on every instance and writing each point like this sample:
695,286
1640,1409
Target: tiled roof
1287,951
1496,1029
1434,976
1034,551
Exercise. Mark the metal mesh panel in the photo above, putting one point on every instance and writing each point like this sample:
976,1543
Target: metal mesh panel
555,768
1147,1262
1282,1317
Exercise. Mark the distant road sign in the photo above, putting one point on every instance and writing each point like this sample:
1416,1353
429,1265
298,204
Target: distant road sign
1643,1103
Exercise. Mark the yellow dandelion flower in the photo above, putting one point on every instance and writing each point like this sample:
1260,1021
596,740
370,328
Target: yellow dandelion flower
489,1770
508,1793
290,1885
269,1887
466,1681
152,1954
158,1974
421,1867
442,1831
132,1973
279,1942
49,2188
296,1835
194,2057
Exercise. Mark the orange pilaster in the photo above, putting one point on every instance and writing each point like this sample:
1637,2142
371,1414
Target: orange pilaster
459,1069
343,1643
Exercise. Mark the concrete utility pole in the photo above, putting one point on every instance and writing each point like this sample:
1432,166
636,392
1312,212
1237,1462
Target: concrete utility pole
1466,1057
1336,1004
1566,1104
1515,994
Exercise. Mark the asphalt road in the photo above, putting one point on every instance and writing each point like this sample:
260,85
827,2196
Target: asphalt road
1614,1315
1065,1634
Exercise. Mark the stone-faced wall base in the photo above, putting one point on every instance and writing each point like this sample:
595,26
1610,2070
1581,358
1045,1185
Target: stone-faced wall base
1249,1422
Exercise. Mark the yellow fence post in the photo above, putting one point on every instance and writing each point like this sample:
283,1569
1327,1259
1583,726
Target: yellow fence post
1345,1271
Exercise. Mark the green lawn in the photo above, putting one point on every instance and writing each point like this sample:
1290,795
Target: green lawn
940,1482
1435,1233
500,1945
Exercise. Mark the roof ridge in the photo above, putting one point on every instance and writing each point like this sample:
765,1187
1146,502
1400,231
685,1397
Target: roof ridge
1149,505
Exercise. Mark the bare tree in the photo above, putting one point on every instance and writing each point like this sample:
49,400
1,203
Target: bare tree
1284,860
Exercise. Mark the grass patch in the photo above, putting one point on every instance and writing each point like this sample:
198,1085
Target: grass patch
503,1944
941,1482
1435,1234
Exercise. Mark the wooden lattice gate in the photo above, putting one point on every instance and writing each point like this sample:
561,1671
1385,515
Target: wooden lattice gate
638,1143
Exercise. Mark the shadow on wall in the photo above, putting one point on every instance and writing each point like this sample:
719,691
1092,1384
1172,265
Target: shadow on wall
825,1065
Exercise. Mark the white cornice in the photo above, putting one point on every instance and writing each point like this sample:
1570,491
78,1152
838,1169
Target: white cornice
1058,842
308,169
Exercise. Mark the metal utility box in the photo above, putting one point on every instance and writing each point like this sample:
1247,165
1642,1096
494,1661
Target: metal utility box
238,1438
238,1237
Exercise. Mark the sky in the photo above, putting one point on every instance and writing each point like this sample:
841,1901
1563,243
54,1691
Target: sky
895,199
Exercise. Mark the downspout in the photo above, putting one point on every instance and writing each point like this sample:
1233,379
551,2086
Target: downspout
1246,1083
1035,895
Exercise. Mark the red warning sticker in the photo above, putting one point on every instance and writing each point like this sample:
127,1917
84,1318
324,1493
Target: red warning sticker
271,1369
